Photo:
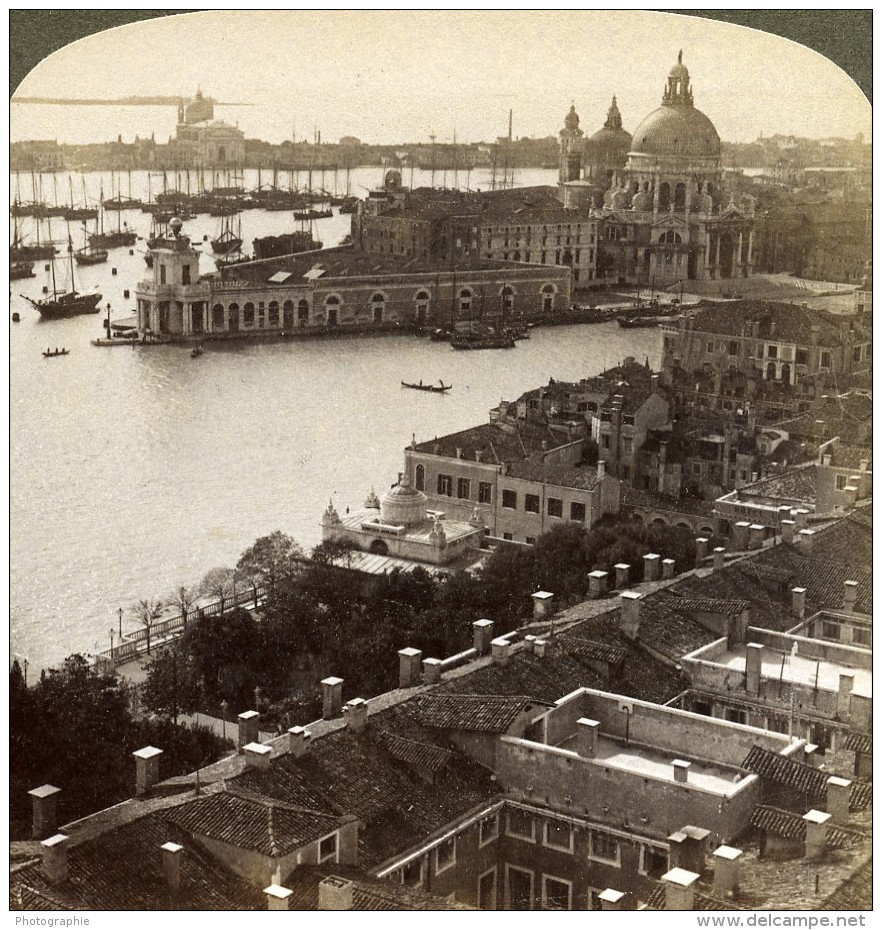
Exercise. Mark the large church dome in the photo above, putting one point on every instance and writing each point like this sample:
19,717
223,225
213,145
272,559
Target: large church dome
676,128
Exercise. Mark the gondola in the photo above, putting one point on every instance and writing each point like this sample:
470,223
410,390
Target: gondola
55,352
196,351
439,388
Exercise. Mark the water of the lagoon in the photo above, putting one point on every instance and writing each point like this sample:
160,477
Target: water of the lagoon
136,470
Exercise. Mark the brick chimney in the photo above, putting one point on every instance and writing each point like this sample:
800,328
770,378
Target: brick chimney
668,566
681,770
788,528
757,535
482,633
838,793
257,756
687,848
815,833
299,741
44,807
849,595
409,661
277,897
587,734
172,856
753,668
355,714
146,768
701,544
727,870
622,571
335,894
679,889
629,601
719,558
543,604
843,696
651,566
611,900
597,583
806,541
55,858
332,697
249,729
432,671
501,649
797,607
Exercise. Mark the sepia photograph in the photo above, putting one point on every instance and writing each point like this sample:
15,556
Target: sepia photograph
440,462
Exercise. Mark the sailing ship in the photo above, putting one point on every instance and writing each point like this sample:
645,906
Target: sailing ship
65,303
79,213
228,241
110,240
21,252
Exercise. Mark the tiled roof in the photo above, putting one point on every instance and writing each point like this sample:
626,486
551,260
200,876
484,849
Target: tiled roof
849,455
635,497
496,444
714,605
556,475
701,901
854,894
859,742
121,870
791,826
420,755
473,712
672,632
797,485
271,828
800,777
849,541
592,650
765,572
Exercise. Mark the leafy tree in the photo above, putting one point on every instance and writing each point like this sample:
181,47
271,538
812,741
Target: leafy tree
170,687
269,560
147,611
219,583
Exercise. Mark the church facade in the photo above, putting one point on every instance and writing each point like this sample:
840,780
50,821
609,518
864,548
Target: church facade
665,215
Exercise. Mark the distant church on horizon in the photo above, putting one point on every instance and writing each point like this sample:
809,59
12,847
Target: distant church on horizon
666,215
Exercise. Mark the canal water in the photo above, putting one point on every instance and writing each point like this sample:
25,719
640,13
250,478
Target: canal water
134,471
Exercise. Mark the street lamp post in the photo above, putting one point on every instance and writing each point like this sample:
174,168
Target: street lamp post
111,644
120,622
224,706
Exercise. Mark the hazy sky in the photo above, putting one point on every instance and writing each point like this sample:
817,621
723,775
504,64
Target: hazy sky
396,76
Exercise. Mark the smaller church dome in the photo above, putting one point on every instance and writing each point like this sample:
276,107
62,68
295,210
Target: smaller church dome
571,121
403,504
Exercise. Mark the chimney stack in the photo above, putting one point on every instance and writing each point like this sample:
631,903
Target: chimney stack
257,756
849,596
806,541
543,604
843,696
679,889
482,634
55,858
500,648
701,544
788,528
800,515
622,570
332,697
409,661
681,770
838,794
539,647
335,894
299,740
629,601
727,869
44,807
651,565
146,768
587,733
719,558
597,583
668,566
798,604
355,714
277,897
815,833
757,535
611,900
740,535
431,671
249,729
753,667
171,866
601,470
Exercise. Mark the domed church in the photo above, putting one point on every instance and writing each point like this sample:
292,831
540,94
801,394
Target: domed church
666,216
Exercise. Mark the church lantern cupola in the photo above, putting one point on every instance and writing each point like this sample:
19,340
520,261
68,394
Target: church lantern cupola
678,93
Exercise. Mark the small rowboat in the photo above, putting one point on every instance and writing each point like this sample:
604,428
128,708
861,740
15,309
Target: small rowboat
439,388
196,352
56,352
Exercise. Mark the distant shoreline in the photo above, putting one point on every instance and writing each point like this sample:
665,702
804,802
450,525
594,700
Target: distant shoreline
119,101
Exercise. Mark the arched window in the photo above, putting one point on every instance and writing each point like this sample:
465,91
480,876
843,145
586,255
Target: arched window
378,305
303,311
332,308
217,317
507,295
421,305
680,196
273,313
548,292
248,314
664,196
465,300
420,478
785,373
670,237
770,371
288,314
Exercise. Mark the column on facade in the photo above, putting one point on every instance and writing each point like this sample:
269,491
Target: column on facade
741,252
750,251
707,245
655,192
716,271
187,321
226,318
688,198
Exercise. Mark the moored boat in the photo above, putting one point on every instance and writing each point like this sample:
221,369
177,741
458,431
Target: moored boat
54,353
19,270
438,388
64,304
482,341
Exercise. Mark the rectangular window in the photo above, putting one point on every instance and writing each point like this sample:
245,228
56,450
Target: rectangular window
555,507
445,855
604,441
161,273
856,354
772,351
530,540
519,889
463,488
412,873
733,348
328,849
485,492
825,360
627,444
185,276
531,503
248,315
509,499
489,829
487,890
802,356
445,485
841,482
710,348
734,715
559,835
653,861
861,636
830,630
520,825
628,419
508,536
557,894
605,848
577,511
